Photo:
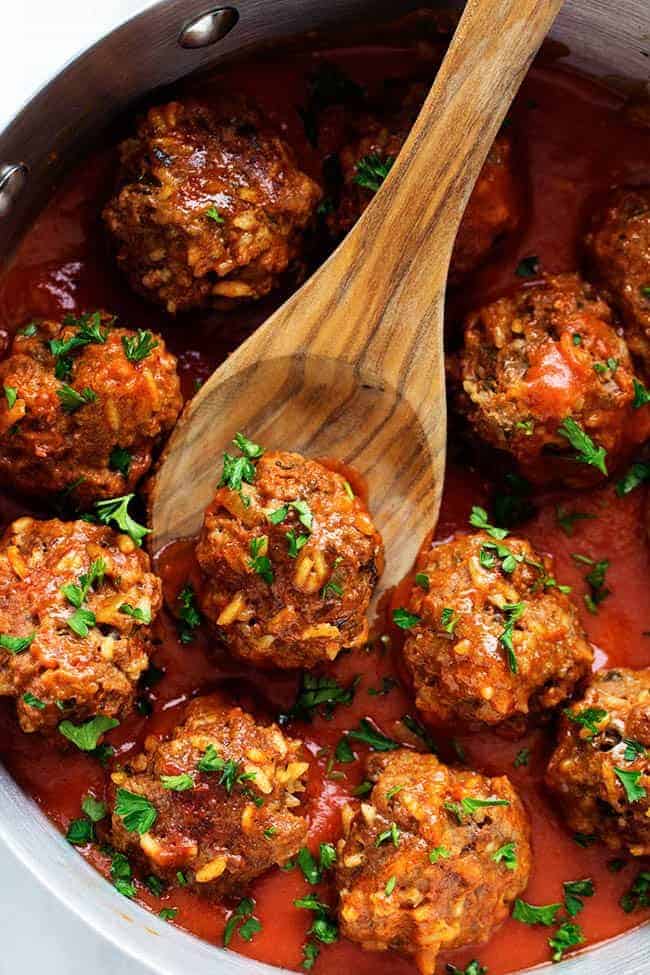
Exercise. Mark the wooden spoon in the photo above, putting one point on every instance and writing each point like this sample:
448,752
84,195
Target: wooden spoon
352,366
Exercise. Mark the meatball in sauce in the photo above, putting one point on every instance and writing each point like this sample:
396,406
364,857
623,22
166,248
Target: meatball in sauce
433,858
76,602
289,557
211,207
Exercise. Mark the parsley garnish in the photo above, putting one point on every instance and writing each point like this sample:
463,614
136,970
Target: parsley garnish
532,914
449,620
507,855
121,875
422,580
239,470
213,214
589,718
138,347
322,693
420,731
633,750
638,896
177,783
439,853
404,619
295,543
474,968
641,395
574,891
81,621
94,809
513,612
259,561
11,395
587,451
89,332
28,330
136,812
85,736
120,460
636,475
630,782
392,835
139,615
117,510
230,769
468,806
243,921
522,757
190,617
567,519
568,935
80,832
16,644
71,400
373,738
372,170
479,519
33,702
167,913
595,579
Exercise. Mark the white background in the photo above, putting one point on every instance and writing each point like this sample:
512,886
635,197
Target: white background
38,935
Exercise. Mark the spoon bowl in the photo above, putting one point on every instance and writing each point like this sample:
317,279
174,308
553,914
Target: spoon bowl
352,366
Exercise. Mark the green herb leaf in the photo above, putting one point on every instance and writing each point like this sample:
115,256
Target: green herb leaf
567,936
507,855
372,170
521,758
589,718
137,347
136,812
310,869
369,735
116,510
633,750
86,736
479,519
637,898
418,729
513,612
80,832
390,835
322,693
243,922
532,914
474,968
636,475
439,853
139,615
587,451
94,809
33,702
120,460
404,619
574,891
449,619
261,564
71,400
81,621
567,519
167,913
11,395
177,783
213,214
630,782
390,885
16,644
189,615
641,395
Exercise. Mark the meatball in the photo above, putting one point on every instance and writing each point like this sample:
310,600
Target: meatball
289,563
600,770
546,377
433,858
219,799
618,245
211,207
493,209
85,405
495,637
76,601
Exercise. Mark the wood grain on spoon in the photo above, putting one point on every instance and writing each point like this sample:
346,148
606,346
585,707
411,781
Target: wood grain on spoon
352,365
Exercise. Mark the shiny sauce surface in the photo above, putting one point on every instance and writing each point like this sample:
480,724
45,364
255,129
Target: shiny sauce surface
573,142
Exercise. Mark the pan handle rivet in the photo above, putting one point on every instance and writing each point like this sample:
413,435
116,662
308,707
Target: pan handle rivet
208,27
13,178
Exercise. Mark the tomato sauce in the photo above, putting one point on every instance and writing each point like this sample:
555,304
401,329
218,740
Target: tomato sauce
574,142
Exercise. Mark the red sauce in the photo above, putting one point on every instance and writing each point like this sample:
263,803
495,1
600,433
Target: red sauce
575,143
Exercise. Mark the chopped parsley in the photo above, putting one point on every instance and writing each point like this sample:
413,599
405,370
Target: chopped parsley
574,891
638,896
589,718
11,395
422,580
28,330
189,615
343,752
372,170
633,750
229,769
439,853
77,594
404,619
167,913
137,347
390,885
321,695
528,267
295,543
33,702
641,395
533,914
636,475
121,875
243,921
630,782
468,806
80,832
94,809
116,510
81,621
418,729
522,758
610,365
310,869
139,615
86,736
390,835
89,331
370,736
568,935
586,450
259,561
213,214
448,620
239,470
567,519
177,783
479,519
595,579
513,612
16,644
493,551
71,400
120,460
507,855
474,968
136,812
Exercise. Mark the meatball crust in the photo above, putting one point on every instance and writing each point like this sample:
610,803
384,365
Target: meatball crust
211,207
58,673
289,564
549,354
496,638
618,246
604,742
420,867
493,209
215,828
72,415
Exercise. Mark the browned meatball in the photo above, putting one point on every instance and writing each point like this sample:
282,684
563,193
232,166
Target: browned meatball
433,858
75,603
212,206
543,369
85,404
600,770
619,247
496,638
493,209
220,799
289,562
